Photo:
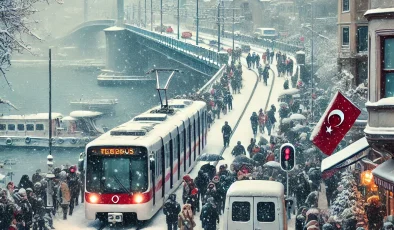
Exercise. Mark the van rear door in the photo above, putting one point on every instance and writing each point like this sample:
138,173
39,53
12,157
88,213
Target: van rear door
240,215
267,213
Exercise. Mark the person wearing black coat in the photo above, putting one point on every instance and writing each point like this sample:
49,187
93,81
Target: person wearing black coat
270,124
171,210
254,121
209,215
25,182
226,131
201,181
249,60
238,150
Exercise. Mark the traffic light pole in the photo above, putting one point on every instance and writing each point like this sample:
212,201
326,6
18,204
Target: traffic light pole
287,186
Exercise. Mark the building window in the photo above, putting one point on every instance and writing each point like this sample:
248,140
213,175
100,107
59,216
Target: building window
387,67
362,72
345,36
362,38
345,5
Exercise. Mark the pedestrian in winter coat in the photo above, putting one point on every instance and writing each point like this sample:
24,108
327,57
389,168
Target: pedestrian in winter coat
186,218
10,191
64,193
171,210
226,131
211,192
388,226
188,186
251,145
74,186
238,150
351,224
229,100
375,214
36,177
223,171
26,214
257,58
249,60
253,60
254,121
193,200
201,181
312,199
261,121
209,216
299,223
25,182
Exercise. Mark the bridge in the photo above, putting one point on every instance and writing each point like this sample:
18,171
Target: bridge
132,50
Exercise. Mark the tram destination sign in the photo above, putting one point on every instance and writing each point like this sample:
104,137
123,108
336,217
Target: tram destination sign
111,150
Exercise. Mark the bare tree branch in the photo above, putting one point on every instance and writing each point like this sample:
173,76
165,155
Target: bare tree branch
14,22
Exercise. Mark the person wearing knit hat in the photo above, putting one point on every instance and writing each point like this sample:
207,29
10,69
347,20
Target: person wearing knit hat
216,180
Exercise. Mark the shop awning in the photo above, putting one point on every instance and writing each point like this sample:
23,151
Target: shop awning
384,175
347,156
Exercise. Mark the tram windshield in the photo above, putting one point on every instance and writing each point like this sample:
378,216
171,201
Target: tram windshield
117,169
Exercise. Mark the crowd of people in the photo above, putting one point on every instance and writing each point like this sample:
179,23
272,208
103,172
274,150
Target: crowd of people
25,206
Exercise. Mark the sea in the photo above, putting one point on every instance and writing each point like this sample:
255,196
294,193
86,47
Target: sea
29,92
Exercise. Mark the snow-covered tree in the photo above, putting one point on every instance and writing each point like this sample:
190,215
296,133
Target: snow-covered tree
14,24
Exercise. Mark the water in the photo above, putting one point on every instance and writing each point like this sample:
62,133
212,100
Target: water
30,95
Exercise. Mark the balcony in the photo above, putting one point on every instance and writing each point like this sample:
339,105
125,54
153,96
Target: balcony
380,129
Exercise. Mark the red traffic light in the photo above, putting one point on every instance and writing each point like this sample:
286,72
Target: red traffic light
287,154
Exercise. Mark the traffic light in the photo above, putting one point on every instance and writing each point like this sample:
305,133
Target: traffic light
287,157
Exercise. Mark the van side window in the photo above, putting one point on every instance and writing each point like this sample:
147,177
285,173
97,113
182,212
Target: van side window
241,211
3,127
266,211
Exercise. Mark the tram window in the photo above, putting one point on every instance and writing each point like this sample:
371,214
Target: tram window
11,127
167,155
3,127
175,147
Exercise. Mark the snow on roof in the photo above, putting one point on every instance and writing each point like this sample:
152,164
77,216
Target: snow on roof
81,113
389,101
385,171
379,11
37,116
114,28
345,154
256,188
300,52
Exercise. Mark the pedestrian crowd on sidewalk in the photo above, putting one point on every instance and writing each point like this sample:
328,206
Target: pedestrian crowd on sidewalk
25,206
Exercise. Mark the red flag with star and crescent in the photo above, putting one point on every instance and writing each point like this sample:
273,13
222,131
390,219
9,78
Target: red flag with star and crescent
336,121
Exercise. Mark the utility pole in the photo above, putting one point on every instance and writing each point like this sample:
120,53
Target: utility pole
139,13
197,22
178,30
151,16
219,27
223,18
161,16
145,15
312,85
232,52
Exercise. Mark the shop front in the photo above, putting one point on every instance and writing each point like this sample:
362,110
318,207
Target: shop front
383,176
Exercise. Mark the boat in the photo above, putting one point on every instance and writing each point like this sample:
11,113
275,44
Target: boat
32,130
101,105
108,77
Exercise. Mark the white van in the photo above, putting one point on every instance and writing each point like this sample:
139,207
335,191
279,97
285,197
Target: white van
255,205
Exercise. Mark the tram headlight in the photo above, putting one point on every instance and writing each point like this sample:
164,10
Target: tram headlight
138,198
93,198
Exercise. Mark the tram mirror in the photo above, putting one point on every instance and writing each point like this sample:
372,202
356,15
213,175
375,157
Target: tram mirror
81,162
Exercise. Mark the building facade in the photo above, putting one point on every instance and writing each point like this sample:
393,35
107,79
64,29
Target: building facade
353,39
380,129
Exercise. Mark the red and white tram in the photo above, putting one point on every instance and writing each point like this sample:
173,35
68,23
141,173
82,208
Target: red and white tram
131,168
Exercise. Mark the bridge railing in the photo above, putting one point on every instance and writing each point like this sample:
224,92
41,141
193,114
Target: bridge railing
272,44
215,78
206,55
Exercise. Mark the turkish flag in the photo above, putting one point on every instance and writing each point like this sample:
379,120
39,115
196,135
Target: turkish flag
336,121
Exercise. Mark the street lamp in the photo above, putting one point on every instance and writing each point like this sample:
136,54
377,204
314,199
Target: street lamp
151,16
218,27
178,21
197,21
161,16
